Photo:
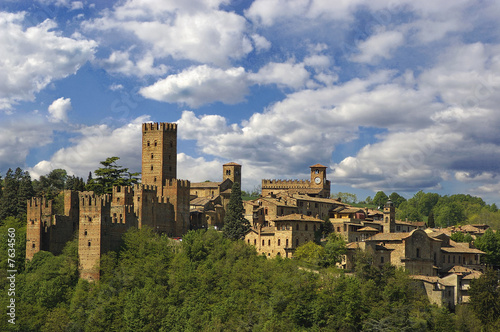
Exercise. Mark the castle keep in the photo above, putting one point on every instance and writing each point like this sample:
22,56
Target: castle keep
160,202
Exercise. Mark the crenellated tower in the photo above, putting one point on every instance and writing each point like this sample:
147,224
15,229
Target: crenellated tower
159,153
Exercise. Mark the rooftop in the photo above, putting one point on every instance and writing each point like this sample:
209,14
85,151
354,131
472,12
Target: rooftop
297,217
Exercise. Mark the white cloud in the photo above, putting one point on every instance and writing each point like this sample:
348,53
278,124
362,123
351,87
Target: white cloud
20,135
380,45
192,30
288,75
261,43
95,144
200,85
34,57
58,110
120,62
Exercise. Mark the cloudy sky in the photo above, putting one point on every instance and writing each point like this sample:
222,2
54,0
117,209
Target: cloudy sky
390,95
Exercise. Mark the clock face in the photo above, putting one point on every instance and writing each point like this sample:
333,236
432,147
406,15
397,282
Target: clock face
317,180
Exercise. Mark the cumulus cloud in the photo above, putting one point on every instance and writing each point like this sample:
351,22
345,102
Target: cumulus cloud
200,85
120,62
20,135
192,30
95,144
287,75
58,110
36,56
378,46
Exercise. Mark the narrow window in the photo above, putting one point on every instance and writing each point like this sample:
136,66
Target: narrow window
255,242
418,252
149,143
286,243
248,241
156,143
33,245
89,244
279,242
152,156
151,167
262,242
297,242
268,242
85,233
382,259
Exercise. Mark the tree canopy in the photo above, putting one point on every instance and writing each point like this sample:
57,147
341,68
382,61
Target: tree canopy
235,223
110,175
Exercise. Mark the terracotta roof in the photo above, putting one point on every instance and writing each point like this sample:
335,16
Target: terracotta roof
297,217
367,229
200,201
389,236
461,248
318,165
350,210
317,199
459,269
204,184
431,279
473,275
231,164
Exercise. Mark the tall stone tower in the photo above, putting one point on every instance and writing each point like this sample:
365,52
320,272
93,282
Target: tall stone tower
159,153
231,171
318,179
389,217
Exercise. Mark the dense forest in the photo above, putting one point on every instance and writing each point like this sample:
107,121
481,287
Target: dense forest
208,282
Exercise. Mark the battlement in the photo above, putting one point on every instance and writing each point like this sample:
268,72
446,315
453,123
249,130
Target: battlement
177,183
285,184
88,199
145,188
39,202
122,190
159,126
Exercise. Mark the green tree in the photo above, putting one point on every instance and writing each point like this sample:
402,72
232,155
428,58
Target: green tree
430,220
490,244
9,204
335,248
310,253
380,199
485,297
407,210
448,214
51,184
345,197
75,183
396,199
25,192
110,175
235,223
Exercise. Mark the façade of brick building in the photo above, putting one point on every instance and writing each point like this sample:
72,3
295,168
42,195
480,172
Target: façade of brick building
160,202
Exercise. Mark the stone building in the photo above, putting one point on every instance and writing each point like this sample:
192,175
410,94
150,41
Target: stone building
161,202
318,186
288,233
209,200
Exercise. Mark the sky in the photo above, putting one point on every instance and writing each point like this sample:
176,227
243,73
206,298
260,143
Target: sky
398,96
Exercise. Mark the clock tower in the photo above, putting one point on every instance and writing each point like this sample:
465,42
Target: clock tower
319,181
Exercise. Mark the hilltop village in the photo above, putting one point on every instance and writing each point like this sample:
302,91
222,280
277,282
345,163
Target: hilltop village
285,216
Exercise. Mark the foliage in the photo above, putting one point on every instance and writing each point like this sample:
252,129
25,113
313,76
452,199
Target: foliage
51,184
210,283
110,175
380,199
485,299
310,253
461,237
345,197
490,244
335,248
396,199
235,223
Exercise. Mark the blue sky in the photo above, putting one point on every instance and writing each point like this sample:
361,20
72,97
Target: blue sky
390,95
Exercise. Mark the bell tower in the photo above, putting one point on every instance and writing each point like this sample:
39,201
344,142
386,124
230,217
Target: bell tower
389,224
159,153
231,171
318,180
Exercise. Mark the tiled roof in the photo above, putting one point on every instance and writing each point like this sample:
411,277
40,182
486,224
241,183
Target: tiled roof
200,201
389,236
431,279
318,165
473,275
231,164
367,229
317,199
461,248
204,184
297,217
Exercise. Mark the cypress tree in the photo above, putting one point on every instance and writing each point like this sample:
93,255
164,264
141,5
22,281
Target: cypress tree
24,193
8,204
235,223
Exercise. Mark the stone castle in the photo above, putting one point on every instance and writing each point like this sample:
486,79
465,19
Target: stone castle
287,214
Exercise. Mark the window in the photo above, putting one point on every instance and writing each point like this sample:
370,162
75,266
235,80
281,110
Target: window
151,167
228,172
248,241
382,260
262,242
286,243
255,242
418,252
33,245
297,242
154,180
156,143
89,219
316,171
268,242
152,156
85,233
279,242
89,244
149,143
338,229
